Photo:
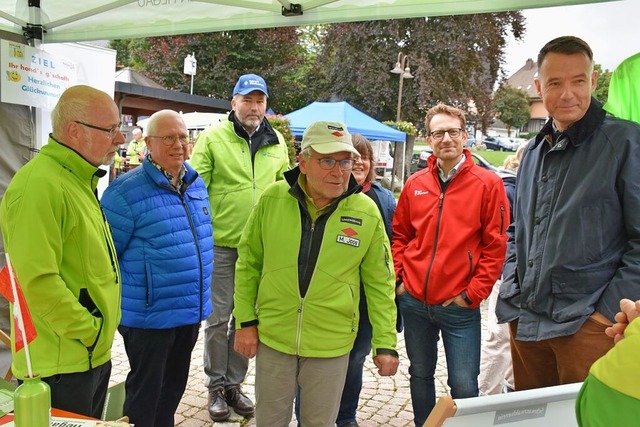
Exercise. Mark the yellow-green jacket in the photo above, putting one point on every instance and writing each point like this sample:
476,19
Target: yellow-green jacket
62,252
299,280
234,180
610,396
133,149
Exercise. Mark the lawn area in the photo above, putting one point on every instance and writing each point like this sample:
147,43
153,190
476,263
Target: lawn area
496,158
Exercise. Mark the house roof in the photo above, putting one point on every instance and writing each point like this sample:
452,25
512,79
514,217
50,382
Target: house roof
139,96
523,78
129,75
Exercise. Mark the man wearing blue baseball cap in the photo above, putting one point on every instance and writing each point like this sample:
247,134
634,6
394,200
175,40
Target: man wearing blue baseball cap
237,159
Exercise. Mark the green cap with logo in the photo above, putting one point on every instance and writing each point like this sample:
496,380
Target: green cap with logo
328,138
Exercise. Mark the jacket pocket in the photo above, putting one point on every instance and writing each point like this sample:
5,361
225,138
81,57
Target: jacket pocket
576,293
198,202
87,302
149,281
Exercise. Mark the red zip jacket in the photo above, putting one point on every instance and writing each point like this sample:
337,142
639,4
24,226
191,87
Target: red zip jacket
448,242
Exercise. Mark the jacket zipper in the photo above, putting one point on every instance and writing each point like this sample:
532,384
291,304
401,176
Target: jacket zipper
435,246
470,256
93,346
299,326
197,244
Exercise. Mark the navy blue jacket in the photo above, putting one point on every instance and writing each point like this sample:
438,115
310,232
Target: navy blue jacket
164,241
575,246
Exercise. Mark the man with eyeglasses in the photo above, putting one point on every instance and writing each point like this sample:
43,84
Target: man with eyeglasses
160,217
62,251
449,242
308,245
237,159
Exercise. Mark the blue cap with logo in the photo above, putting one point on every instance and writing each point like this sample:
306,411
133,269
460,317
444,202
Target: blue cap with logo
248,83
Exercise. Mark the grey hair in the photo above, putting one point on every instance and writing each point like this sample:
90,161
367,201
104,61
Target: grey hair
68,109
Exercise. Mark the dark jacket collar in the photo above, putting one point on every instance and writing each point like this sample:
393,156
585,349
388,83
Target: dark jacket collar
580,130
265,129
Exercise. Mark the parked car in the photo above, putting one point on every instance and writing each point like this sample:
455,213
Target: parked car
471,141
419,161
499,143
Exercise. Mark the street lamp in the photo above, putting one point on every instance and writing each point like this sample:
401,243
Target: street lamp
404,72
190,64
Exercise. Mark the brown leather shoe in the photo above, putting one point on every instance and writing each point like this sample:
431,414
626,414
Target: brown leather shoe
239,401
218,408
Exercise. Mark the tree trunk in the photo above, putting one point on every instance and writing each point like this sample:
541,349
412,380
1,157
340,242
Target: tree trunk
411,139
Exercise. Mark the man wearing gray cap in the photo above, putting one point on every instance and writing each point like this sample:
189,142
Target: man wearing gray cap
308,245
237,159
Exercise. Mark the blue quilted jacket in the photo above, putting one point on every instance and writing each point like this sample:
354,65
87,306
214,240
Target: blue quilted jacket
164,242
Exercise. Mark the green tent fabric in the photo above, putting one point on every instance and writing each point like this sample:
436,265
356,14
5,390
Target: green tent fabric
624,90
65,21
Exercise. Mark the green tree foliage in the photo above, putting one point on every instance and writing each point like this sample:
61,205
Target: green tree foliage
602,85
454,59
222,57
512,106
281,124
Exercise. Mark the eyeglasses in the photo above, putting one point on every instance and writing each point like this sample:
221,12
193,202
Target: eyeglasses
328,164
361,159
112,131
172,139
438,135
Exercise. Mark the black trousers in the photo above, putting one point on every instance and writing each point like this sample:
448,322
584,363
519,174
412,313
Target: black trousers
81,392
159,360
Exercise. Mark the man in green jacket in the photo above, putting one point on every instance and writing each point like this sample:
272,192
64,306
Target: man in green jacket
62,252
237,159
136,149
610,396
309,244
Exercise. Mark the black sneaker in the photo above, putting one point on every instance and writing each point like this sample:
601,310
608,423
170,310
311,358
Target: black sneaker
239,401
218,408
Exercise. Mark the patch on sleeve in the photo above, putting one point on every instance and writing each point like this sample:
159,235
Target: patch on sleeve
351,220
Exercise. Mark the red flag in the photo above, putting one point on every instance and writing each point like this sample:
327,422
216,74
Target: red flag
5,290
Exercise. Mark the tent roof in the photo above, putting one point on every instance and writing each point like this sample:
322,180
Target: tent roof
194,120
64,20
356,121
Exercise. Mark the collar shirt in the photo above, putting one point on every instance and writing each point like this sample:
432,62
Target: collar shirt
169,176
452,172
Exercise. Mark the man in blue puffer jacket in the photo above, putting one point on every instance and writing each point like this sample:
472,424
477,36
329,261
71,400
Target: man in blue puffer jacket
161,224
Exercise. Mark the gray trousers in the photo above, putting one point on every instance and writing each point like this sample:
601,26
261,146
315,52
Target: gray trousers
222,365
278,376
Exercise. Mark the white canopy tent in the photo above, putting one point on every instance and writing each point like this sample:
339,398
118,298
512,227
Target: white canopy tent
194,121
63,20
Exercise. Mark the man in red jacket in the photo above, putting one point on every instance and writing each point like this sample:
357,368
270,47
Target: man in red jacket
449,244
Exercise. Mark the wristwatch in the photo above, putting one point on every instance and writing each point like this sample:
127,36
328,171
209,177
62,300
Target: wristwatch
466,298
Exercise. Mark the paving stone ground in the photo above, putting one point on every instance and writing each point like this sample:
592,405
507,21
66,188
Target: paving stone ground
384,401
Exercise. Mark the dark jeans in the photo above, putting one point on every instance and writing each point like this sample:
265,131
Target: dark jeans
81,392
460,328
159,360
357,356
